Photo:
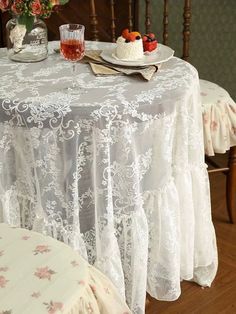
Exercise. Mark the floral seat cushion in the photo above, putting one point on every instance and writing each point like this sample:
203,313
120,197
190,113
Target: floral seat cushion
40,275
219,118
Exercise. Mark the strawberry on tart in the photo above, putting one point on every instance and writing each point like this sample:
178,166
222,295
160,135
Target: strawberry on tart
149,42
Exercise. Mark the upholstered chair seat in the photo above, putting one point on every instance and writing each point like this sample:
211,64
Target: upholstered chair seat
219,118
219,127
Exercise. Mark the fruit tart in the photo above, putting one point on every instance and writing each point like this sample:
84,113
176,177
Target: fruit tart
149,42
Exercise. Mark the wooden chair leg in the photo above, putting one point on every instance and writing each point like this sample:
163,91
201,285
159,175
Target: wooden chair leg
147,303
231,185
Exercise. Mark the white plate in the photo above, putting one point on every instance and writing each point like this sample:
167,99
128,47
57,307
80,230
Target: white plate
161,54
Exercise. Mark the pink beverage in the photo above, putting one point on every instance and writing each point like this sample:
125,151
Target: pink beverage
72,49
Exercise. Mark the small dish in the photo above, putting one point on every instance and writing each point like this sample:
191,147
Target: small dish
161,54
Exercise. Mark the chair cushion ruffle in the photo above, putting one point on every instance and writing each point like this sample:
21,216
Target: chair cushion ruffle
219,118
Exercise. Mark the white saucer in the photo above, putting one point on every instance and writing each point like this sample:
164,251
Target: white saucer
161,54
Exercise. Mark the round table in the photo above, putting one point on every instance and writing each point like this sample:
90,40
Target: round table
116,170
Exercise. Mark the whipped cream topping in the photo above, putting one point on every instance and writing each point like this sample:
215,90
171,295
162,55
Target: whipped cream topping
132,50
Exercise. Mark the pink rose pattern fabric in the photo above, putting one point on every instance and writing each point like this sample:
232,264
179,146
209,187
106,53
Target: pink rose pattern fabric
36,295
3,282
41,249
219,118
53,307
47,272
44,273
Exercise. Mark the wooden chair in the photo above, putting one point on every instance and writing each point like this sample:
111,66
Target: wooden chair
224,105
219,124
132,21
217,104
131,9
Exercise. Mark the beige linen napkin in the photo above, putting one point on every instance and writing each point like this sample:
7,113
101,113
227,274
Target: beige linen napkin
101,67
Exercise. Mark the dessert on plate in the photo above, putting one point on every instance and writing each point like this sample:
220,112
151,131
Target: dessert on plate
149,42
129,46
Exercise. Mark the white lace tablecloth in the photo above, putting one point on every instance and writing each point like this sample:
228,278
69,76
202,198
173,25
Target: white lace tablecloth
117,171
40,275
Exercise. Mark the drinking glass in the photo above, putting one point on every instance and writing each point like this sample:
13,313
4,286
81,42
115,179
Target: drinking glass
72,46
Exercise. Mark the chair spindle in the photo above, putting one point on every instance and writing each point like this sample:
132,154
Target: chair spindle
148,16
113,25
186,30
93,21
130,21
165,22
231,185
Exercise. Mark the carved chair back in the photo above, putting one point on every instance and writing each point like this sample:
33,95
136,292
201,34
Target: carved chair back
131,12
133,16
105,19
